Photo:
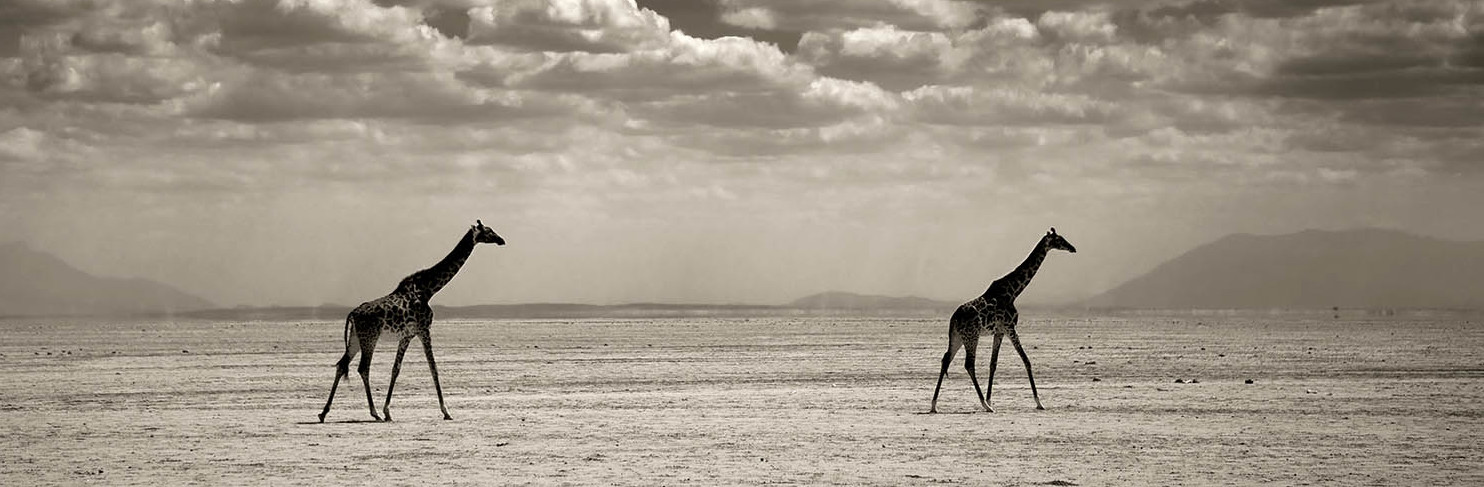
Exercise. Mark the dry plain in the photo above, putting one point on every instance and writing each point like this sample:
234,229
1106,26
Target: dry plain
1359,400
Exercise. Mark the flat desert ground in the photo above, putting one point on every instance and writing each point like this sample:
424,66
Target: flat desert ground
1358,400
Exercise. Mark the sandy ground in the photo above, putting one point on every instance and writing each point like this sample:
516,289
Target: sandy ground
1364,401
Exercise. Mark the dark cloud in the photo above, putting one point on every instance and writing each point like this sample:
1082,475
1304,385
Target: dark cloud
448,17
341,57
19,16
790,15
1208,11
1465,111
261,24
322,38
893,59
451,22
702,18
1379,83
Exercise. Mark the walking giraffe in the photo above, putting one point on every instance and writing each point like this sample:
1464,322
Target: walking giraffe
995,311
406,313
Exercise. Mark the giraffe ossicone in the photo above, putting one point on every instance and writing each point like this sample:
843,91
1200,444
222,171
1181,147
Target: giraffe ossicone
406,313
994,311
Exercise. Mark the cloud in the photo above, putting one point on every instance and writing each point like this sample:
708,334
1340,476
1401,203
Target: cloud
848,14
568,25
1377,51
860,135
115,53
323,36
892,58
728,82
970,106
111,78
824,101
22,144
684,65
1077,27
429,98
249,25
42,13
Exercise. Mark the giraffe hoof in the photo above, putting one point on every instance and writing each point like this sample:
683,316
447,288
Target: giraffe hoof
1039,408
447,418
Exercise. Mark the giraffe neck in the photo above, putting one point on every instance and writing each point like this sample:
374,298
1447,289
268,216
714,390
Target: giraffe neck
1015,282
428,282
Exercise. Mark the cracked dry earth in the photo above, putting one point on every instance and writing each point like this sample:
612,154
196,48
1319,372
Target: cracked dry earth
786,400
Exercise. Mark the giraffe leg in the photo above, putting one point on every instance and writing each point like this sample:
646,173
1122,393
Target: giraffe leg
365,370
953,343
970,347
994,361
427,338
1015,340
342,369
386,408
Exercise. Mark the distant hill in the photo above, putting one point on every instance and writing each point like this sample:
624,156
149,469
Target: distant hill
34,283
824,303
836,300
1313,269
527,311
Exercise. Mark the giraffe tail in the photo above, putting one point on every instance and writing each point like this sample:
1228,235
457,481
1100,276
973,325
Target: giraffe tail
343,366
347,332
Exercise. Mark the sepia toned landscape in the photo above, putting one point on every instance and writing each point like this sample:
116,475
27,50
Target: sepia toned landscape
1132,399
1240,242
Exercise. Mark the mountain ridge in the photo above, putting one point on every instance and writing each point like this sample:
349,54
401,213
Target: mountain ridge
1360,268
36,283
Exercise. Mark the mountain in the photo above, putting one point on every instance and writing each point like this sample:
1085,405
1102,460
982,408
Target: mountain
1313,269
527,311
837,300
34,283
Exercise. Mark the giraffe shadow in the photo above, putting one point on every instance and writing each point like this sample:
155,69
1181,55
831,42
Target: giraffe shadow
928,413
343,421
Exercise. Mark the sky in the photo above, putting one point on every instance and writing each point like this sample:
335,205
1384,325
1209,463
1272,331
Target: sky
300,152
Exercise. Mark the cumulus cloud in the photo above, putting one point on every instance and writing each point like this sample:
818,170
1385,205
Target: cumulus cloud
892,58
323,36
684,65
1081,27
727,82
568,25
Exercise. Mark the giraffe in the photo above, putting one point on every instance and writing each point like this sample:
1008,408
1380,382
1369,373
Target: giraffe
995,311
406,313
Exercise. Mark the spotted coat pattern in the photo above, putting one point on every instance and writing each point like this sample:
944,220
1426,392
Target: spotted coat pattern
405,313
994,312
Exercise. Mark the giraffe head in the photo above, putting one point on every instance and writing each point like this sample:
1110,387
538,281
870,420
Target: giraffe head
1054,241
483,234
